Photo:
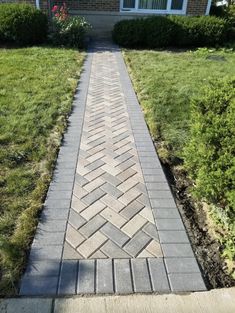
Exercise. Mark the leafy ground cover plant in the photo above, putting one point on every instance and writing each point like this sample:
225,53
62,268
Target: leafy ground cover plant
209,154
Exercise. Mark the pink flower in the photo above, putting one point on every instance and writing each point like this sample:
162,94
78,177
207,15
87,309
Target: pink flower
55,8
57,15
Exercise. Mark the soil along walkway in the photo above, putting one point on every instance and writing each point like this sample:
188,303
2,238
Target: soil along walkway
110,223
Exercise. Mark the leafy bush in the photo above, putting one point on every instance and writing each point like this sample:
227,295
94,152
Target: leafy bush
130,33
68,31
181,31
22,24
199,31
209,155
153,32
217,11
230,17
159,32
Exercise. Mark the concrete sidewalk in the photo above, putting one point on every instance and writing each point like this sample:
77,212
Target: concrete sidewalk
215,301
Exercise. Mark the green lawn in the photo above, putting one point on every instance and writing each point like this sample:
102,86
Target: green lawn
36,91
166,82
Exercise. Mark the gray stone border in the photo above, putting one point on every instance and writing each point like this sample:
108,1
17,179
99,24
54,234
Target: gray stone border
109,276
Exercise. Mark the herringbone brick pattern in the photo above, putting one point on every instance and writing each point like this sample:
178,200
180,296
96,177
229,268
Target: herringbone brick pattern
97,231
110,215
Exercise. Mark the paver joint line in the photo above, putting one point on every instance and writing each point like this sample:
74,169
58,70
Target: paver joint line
115,203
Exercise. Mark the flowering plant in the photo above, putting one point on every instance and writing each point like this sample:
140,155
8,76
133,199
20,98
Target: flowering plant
60,13
68,30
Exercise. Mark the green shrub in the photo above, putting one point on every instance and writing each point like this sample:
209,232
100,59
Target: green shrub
199,31
22,24
159,32
130,33
71,32
152,32
230,17
210,153
180,31
228,13
217,11
67,30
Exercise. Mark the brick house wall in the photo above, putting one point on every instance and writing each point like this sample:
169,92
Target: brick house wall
99,5
194,7
44,4
90,5
27,1
197,7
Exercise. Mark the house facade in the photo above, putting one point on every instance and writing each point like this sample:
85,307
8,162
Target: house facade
183,7
103,14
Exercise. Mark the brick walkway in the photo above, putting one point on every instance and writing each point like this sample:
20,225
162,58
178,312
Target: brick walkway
110,223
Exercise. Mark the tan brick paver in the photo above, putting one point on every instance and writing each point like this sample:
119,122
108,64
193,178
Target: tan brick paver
109,182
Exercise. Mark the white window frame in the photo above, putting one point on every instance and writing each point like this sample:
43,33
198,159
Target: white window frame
208,7
167,11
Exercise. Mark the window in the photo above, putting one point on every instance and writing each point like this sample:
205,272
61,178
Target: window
153,4
129,4
177,4
149,6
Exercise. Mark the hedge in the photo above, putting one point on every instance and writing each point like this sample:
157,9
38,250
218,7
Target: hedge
181,31
199,31
230,17
210,153
159,31
22,24
129,33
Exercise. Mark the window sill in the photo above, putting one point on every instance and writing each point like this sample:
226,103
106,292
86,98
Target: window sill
165,12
